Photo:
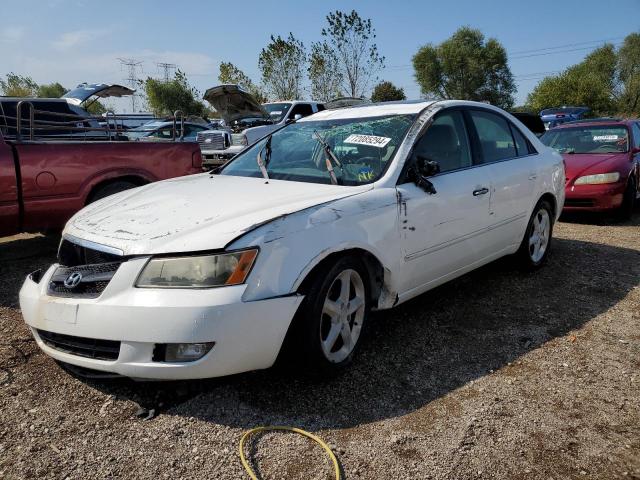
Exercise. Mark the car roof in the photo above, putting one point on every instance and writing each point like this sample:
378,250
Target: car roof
597,121
403,107
293,102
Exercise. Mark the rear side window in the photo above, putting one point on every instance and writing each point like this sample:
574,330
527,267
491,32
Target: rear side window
495,136
523,146
636,135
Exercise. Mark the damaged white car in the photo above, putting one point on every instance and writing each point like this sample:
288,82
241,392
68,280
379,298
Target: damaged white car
295,241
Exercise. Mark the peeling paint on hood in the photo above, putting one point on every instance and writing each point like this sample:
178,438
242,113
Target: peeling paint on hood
198,212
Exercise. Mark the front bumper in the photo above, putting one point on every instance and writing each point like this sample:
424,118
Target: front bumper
593,198
247,335
215,158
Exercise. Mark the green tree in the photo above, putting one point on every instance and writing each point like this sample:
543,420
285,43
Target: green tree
51,90
465,67
230,74
164,98
590,83
324,73
628,66
352,38
386,92
18,86
282,64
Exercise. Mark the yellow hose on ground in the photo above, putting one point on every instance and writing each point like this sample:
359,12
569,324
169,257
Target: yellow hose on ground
299,431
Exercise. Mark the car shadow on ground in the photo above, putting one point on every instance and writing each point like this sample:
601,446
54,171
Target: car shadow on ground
601,218
419,351
19,256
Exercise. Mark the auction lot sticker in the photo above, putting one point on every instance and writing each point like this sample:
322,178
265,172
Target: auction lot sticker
372,140
604,138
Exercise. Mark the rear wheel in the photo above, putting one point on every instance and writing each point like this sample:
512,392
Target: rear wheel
110,189
628,201
332,318
536,243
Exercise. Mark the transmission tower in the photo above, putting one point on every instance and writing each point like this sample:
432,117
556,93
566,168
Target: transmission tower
132,66
167,67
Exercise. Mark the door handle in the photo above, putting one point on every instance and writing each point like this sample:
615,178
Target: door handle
480,191
533,176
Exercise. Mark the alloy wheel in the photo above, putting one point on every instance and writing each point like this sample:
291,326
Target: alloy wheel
539,236
343,313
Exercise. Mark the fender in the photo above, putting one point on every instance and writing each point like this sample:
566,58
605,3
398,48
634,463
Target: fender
111,174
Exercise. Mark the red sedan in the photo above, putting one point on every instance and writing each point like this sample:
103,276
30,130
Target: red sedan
602,164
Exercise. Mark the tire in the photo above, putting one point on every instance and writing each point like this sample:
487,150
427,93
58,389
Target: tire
536,244
628,201
319,340
110,189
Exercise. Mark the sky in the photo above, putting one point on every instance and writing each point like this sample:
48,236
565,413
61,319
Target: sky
71,41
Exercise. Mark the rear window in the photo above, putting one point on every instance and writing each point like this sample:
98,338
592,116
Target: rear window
588,139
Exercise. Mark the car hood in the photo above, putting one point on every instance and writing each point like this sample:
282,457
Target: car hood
234,104
194,213
579,164
85,91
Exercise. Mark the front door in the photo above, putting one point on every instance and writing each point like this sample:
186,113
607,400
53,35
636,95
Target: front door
445,232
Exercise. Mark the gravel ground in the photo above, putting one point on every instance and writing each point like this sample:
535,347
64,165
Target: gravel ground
498,374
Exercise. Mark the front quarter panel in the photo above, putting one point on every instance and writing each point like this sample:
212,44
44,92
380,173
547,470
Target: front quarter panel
292,245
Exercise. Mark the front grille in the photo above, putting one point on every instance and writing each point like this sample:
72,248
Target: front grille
71,255
211,140
80,346
579,202
92,281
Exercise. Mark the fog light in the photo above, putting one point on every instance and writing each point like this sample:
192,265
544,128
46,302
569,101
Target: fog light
181,352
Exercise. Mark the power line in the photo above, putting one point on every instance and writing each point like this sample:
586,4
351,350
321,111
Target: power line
167,67
558,51
132,66
567,45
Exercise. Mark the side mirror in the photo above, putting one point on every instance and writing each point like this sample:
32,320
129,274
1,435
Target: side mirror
297,117
420,170
635,150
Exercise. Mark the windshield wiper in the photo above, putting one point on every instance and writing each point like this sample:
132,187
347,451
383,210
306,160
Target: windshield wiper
330,158
263,164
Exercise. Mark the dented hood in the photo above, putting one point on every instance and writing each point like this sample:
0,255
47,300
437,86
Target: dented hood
194,213
234,104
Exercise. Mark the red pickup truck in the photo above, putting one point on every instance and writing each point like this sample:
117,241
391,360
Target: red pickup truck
43,183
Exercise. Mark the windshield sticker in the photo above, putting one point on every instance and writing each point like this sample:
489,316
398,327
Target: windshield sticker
366,174
276,112
372,140
605,138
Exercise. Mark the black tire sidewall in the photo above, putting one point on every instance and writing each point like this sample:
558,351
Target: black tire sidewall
628,200
310,314
110,189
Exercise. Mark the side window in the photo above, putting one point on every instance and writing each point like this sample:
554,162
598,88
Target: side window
523,146
636,135
303,109
495,136
446,142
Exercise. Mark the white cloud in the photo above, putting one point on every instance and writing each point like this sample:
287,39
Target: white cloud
76,38
11,34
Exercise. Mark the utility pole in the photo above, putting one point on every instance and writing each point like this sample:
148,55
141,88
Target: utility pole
167,67
132,67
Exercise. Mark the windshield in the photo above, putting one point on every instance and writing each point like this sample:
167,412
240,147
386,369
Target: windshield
363,146
588,139
276,111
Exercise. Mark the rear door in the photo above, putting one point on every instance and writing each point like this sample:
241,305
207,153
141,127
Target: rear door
9,207
513,173
445,232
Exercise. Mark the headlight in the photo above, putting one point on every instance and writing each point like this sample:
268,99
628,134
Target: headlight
600,178
239,139
202,271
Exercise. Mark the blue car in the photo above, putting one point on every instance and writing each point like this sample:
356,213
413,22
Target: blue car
552,117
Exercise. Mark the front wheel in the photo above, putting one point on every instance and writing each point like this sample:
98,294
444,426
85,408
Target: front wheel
333,316
535,246
628,201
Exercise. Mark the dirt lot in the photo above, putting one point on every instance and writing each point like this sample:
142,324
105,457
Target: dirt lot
499,374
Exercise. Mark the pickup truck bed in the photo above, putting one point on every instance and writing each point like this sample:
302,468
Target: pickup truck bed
43,183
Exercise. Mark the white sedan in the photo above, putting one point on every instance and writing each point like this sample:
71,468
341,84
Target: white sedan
292,244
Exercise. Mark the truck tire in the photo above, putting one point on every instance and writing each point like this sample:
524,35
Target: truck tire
110,189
